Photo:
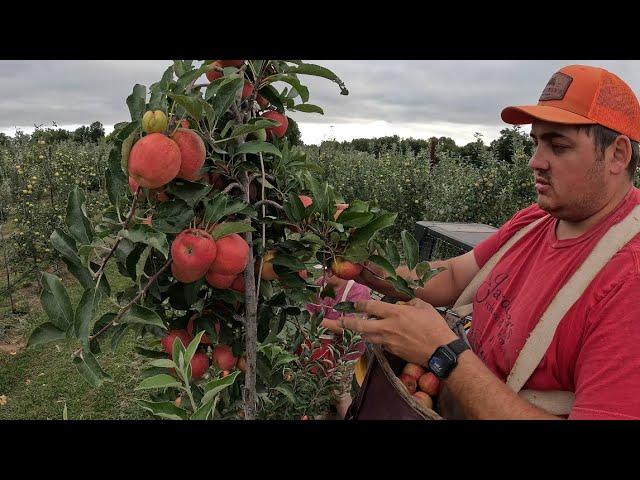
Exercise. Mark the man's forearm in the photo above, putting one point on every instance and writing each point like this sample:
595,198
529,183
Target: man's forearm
482,395
440,290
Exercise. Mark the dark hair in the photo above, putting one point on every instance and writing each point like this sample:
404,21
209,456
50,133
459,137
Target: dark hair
604,137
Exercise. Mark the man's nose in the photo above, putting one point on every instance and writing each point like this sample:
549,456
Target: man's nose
538,161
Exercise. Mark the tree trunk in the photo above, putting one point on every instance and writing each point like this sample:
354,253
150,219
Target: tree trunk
251,323
6,266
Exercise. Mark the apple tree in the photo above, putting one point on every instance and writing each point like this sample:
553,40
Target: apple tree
225,234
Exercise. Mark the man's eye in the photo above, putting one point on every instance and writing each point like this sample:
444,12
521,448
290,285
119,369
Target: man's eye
559,148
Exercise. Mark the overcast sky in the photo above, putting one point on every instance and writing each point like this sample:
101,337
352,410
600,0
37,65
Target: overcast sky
421,99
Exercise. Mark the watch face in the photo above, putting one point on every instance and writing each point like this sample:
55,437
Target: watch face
441,362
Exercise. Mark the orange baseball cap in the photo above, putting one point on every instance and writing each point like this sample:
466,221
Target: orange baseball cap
583,95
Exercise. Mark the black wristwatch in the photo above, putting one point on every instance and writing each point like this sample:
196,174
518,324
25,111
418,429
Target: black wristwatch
445,358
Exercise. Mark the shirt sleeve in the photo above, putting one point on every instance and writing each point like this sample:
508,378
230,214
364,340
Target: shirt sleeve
607,372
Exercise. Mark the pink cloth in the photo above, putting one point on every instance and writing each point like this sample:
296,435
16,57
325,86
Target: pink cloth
594,352
357,292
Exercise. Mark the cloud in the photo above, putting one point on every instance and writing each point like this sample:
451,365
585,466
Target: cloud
385,96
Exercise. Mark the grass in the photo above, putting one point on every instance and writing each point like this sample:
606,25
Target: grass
37,383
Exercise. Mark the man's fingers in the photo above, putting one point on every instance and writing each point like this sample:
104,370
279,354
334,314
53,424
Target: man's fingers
333,325
361,324
372,338
418,303
375,307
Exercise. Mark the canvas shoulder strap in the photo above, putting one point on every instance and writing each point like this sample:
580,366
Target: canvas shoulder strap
540,337
464,304
347,289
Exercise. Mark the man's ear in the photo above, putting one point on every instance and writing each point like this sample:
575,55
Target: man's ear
620,151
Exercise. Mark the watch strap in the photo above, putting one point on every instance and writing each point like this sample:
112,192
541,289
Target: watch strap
458,346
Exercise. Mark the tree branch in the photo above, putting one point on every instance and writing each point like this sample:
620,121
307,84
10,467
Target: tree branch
269,202
233,185
128,306
98,274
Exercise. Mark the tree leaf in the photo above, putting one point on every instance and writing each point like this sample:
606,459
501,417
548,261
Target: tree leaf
345,307
411,250
127,145
142,315
190,76
287,391
257,146
172,216
118,335
226,94
65,245
163,363
190,192
294,82
384,264
141,233
55,301
356,253
203,412
402,286
190,104
307,108
115,187
252,127
88,367
167,410
289,261
137,102
192,347
214,387
393,254
228,228
318,71
45,333
85,314
158,381
142,261
77,221
355,219
364,234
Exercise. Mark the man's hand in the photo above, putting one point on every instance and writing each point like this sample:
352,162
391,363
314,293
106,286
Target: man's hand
411,331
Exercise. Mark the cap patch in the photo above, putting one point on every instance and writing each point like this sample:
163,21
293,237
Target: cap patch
556,87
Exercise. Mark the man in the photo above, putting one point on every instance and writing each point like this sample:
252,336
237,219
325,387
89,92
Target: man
586,129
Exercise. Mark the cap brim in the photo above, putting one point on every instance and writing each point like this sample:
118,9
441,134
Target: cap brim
524,114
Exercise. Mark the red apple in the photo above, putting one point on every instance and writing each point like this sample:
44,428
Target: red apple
223,358
232,255
345,269
423,399
193,252
154,160
413,369
279,130
199,365
408,382
429,384
167,340
214,74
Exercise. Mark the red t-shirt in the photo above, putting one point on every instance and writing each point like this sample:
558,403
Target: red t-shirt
595,351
